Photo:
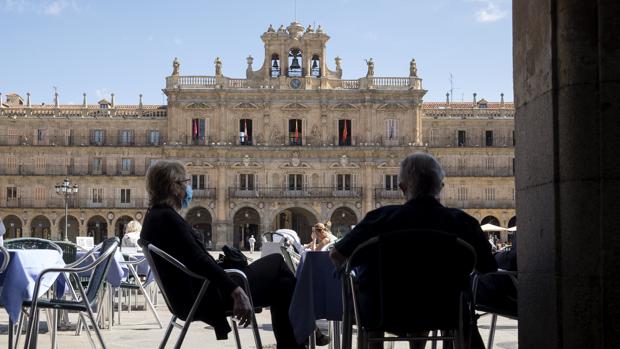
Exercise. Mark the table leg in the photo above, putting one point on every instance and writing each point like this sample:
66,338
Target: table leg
334,333
347,321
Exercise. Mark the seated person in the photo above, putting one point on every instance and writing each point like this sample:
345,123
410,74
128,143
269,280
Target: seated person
498,291
421,181
321,238
132,234
271,282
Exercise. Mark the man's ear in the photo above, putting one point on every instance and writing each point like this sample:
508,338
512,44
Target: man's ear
402,187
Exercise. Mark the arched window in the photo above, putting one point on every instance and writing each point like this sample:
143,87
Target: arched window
295,61
294,132
275,65
316,66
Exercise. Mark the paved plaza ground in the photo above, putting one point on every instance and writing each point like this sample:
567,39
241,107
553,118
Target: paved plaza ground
137,330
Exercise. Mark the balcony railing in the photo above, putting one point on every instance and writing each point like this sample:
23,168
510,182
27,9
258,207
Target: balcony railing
469,171
285,192
57,202
72,170
92,111
212,82
204,193
478,203
477,142
81,140
382,193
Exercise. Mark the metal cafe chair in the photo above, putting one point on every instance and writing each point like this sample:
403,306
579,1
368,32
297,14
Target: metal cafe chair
423,292
135,283
27,243
6,258
69,250
291,258
32,244
88,297
494,311
152,253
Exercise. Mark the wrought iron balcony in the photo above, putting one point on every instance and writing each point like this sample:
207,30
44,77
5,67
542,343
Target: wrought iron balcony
286,192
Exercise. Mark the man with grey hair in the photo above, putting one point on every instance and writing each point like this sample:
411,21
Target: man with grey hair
421,180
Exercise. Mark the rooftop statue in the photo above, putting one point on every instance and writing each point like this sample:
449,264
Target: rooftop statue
319,29
338,67
371,68
413,68
310,29
175,66
281,29
218,66
270,29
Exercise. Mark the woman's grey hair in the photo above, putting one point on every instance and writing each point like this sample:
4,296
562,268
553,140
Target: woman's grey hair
422,175
164,183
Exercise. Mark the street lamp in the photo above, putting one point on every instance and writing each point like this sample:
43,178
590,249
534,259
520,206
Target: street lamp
66,190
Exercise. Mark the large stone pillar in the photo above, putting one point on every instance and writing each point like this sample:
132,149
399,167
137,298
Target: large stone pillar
567,83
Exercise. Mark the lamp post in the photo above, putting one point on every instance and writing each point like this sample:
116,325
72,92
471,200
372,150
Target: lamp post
66,190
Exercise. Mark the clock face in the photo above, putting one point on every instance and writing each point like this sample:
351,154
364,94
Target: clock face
295,83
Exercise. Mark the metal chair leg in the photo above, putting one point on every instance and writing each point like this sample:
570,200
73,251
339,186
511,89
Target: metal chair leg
182,335
492,331
236,331
97,331
257,340
162,345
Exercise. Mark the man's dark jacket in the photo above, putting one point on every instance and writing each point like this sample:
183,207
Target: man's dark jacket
167,230
421,213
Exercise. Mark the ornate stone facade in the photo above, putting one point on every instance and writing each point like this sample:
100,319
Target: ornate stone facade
289,145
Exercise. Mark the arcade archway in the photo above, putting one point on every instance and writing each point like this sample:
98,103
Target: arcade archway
298,219
73,228
97,227
489,220
41,227
119,227
200,219
246,222
13,227
342,219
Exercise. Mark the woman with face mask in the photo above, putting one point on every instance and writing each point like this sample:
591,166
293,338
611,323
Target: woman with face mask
271,282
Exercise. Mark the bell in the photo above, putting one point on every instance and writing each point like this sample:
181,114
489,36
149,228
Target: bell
275,64
295,64
314,64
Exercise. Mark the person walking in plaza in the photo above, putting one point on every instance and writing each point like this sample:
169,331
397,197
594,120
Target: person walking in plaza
252,241
421,181
271,282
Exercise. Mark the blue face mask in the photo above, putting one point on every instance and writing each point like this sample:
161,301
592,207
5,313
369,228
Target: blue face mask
188,196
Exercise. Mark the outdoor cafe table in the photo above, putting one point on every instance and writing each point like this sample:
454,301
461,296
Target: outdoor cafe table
117,272
317,295
18,279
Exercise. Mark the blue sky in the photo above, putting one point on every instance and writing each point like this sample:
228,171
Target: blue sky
127,47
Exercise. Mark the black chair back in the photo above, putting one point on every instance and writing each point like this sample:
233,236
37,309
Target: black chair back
31,244
106,254
69,251
421,275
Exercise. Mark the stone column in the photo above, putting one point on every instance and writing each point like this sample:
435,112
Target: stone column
222,227
567,83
